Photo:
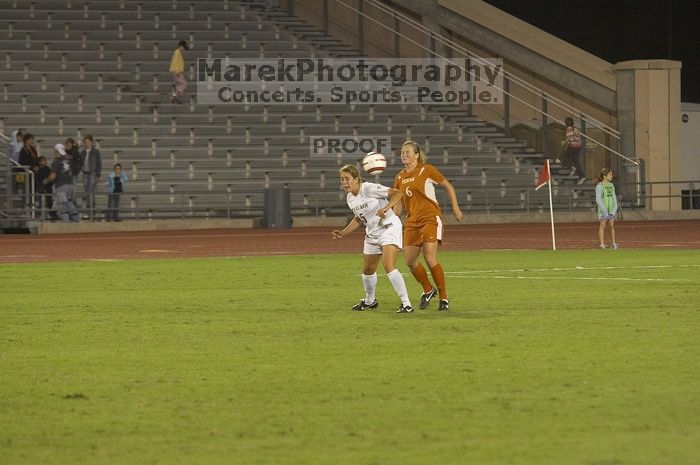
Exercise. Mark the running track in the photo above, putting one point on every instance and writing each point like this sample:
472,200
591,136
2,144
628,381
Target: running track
242,242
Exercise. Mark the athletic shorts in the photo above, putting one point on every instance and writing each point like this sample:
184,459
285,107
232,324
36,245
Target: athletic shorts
391,236
426,232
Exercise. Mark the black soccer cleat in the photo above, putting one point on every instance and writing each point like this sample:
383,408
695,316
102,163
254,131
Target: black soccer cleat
444,305
405,309
363,306
426,297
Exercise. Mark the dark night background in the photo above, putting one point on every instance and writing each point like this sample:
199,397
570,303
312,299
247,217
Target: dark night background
619,30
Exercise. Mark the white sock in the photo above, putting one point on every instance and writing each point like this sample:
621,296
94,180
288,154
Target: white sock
370,284
399,286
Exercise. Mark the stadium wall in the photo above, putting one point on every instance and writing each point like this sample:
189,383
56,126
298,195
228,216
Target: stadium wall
690,141
636,98
335,222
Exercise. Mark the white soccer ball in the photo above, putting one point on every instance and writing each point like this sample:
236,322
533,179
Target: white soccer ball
374,163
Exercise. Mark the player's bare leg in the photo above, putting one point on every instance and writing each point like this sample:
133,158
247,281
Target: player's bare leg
601,234
615,245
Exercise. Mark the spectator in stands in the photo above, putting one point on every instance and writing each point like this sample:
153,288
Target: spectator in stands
16,144
43,189
574,148
606,200
64,189
177,70
115,187
28,155
29,158
91,164
73,154
72,149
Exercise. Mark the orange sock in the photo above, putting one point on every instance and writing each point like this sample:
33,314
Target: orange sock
422,277
439,278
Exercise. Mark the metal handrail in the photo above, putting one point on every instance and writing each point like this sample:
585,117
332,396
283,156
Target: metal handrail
483,198
612,132
545,97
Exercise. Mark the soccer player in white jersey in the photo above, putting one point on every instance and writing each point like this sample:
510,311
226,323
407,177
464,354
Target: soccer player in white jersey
372,204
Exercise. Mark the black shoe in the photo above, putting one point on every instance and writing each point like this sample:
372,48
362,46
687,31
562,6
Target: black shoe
426,297
404,309
444,305
362,305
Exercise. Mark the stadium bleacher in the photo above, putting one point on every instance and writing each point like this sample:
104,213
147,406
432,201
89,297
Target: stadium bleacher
72,68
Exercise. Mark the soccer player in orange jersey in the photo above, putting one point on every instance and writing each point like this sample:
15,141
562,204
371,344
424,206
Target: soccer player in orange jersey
423,228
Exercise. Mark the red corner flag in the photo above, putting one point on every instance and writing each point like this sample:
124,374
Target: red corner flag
544,176
545,179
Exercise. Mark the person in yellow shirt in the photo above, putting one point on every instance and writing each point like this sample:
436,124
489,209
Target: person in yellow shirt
177,70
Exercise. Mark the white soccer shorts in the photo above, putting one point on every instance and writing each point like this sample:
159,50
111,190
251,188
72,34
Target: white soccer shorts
393,235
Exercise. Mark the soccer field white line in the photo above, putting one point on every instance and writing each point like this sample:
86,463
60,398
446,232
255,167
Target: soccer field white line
576,268
576,278
475,273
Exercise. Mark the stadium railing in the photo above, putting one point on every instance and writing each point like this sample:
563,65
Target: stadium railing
17,187
550,108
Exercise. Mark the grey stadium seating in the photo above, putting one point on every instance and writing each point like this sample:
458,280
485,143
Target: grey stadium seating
100,67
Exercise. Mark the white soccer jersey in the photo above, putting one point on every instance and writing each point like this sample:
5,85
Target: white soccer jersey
365,205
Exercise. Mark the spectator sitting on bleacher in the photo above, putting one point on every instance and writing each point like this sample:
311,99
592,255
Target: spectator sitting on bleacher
64,189
177,70
91,165
15,144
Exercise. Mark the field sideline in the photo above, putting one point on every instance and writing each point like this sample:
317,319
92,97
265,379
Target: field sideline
573,357
305,241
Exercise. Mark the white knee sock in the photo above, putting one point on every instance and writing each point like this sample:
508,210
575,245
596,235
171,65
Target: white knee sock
370,284
399,286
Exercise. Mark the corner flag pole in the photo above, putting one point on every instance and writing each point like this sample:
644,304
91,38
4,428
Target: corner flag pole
545,177
551,208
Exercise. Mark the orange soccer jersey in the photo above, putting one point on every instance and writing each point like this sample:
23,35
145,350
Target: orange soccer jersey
418,188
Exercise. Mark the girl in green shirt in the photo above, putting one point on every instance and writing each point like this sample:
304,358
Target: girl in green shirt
606,200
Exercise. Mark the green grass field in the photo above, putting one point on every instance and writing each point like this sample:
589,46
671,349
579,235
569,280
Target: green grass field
586,358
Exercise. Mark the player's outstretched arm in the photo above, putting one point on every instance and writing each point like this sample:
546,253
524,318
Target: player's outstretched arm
353,225
394,200
452,194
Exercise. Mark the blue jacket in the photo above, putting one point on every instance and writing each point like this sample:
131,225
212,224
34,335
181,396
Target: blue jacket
110,181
